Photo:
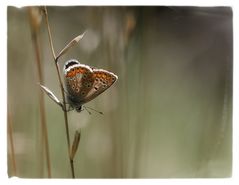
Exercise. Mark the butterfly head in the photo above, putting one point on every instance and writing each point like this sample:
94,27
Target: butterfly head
78,108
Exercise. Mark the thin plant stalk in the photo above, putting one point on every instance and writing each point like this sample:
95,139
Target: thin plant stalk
10,135
36,45
62,92
42,108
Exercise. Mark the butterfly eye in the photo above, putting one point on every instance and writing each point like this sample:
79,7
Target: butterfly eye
78,109
96,88
83,93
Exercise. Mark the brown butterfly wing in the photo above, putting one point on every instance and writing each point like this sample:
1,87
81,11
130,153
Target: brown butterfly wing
79,81
102,81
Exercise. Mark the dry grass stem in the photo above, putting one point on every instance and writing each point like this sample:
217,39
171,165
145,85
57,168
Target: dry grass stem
62,92
35,20
10,136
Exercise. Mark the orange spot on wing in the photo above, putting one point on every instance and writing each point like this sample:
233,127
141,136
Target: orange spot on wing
71,73
103,76
75,71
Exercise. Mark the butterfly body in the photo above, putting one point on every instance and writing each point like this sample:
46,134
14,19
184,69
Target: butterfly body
84,83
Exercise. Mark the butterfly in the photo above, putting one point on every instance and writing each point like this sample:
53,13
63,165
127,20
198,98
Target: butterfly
84,83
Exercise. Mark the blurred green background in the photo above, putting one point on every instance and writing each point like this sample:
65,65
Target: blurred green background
169,115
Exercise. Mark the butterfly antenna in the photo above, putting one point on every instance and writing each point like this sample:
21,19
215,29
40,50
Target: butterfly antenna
87,110
92,109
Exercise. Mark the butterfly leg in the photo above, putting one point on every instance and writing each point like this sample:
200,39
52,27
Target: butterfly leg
84,108
87,109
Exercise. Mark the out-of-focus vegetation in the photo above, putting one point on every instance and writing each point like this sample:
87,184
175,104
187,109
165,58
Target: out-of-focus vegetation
169,113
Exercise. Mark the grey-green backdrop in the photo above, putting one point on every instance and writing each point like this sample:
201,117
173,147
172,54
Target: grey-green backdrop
169,115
